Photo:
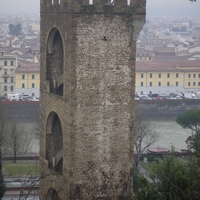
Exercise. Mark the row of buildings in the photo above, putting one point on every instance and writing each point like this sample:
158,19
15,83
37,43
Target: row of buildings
167,77
167,58
151,77
18,77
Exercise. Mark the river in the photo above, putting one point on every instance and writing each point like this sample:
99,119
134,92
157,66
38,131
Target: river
170,133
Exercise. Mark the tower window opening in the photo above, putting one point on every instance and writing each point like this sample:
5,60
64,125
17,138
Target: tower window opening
128,2
58,1
90,2
55,56
52,1
54,143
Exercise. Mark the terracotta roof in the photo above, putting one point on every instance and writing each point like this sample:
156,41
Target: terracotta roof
158,66
27,67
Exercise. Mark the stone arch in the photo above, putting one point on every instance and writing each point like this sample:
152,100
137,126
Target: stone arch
54,143
55,62
52,194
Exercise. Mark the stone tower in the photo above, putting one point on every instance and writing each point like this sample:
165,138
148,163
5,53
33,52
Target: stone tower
87,97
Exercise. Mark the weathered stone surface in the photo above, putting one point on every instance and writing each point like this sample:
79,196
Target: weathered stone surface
95,109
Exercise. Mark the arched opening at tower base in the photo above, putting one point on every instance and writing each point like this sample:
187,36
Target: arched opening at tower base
54,143
52,194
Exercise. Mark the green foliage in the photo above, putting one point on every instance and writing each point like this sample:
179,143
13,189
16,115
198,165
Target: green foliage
2,186
151,158
190,119
173,179
21,168
173,175
193,143
145,191
15,30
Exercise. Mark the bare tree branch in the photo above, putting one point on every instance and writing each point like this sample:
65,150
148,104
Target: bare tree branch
144,135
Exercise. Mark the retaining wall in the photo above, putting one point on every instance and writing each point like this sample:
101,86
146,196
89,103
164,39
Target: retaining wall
28,111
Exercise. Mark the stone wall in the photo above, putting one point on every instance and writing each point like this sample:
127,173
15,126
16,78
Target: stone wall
87,105
167,109
20,111
154,109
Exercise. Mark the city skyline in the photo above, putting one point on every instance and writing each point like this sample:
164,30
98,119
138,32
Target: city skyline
155,8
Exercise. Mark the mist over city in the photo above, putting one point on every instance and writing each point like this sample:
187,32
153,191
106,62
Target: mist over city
155,8
117,95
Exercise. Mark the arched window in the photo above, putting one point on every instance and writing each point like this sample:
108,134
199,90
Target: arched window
55,57
54,143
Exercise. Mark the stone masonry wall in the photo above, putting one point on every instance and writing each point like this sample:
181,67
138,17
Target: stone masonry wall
103,115
96,108
20,111
158,110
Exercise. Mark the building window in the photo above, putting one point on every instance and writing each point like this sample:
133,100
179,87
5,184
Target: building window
199,75
33,76
150,84
151,75
23,76
33,85
188,83
168,75
168,84
5,88
159,83
141,84
11,80
188,75
11,88
198,83
194,75
5,63
159,75
194,83
176,75
23,85
11,63
176,83
5,71
142,75
5,80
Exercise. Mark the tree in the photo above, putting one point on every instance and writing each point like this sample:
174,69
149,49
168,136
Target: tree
18,140
2,186
2,142
193,143
15,30
190,119
2,132
144,135
174,179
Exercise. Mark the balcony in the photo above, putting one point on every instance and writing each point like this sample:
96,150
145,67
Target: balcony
6,75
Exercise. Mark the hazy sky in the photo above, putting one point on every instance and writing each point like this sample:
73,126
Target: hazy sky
177,8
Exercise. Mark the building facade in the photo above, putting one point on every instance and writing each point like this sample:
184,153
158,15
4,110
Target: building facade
7,74
28,79
87,97
167,77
